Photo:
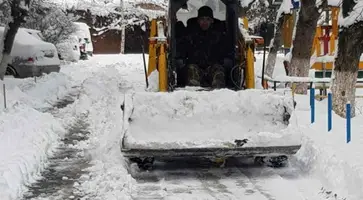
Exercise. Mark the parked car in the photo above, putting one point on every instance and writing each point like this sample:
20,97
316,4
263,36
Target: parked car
37,34
85,40
31,56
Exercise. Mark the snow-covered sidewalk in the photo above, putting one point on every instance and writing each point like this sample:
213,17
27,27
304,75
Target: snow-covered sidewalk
29,134
327,153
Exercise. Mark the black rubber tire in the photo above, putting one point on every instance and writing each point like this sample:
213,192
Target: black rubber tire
11,71
277,161
274,162
143,164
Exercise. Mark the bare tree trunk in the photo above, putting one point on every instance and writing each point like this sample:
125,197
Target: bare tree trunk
303,42
350,48
18,14
274,47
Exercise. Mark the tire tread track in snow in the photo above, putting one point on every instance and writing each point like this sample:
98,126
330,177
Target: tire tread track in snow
231,182
271,184
210,182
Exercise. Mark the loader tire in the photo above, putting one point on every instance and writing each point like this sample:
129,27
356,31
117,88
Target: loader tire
274,162
143,164
277,161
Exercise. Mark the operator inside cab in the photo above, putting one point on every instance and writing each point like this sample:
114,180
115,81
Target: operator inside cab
205,62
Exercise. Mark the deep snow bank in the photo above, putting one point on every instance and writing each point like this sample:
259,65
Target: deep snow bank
339,176
39,93
327,155
28,135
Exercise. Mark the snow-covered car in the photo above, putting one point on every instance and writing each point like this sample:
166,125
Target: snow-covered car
31,56
69,49
84,35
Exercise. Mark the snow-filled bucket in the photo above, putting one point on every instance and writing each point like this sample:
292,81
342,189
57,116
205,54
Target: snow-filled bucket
208,119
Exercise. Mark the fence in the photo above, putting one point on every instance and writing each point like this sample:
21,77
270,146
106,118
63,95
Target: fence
311,81
330,113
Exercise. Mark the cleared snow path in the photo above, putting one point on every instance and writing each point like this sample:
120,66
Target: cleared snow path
236,181
188,179
67,163
64,168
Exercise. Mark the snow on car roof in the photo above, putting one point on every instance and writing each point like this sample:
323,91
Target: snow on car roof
23,38
25,43
30,30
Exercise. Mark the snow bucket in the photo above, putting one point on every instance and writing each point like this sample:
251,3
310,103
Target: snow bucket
197,123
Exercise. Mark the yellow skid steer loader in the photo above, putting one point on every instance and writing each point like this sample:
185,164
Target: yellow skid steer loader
177,121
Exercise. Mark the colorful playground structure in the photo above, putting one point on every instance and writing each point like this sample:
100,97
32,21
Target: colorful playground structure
324,45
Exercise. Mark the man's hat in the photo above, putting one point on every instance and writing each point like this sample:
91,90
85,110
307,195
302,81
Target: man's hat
205,11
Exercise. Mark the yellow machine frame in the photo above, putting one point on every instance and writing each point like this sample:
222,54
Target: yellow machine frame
158,60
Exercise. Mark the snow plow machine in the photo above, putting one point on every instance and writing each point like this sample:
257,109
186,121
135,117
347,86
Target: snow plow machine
171,120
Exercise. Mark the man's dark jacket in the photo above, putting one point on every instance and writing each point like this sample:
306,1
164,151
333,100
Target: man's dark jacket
205,48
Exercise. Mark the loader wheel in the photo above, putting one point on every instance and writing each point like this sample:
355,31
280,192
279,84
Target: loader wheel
275,162
143,164
259,160
278,161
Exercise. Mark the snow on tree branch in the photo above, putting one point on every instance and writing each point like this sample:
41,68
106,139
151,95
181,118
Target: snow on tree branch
335,2
247,3
285,8
352,17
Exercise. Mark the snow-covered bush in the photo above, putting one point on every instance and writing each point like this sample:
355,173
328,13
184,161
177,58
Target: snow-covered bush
4,12
51,20
69,49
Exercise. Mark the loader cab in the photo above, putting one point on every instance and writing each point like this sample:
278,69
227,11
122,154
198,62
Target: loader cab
182,20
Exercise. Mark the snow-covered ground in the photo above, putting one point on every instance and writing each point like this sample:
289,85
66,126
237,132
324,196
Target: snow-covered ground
29,134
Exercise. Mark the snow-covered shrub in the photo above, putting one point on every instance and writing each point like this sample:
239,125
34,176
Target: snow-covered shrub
69,49
51,20
4,12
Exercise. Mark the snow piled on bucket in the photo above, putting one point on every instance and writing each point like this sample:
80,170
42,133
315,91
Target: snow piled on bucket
185,119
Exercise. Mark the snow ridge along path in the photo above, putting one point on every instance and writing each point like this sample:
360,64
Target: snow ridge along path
25,140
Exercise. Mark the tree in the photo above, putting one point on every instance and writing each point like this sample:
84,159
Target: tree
350,48
260,11
274,45
18,11
305,28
